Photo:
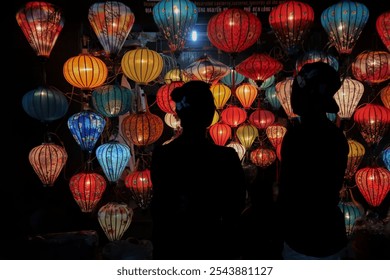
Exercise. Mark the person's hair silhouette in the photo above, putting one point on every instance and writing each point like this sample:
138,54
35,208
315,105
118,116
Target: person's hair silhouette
198,186
313,160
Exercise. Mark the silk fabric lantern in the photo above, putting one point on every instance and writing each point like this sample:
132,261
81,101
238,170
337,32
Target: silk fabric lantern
140,185
175,19
112,22
47,160
45,103
238,147
351,213
373,183
172,121
176,75
261,118
283,93
41,23
233,78
275,133
221,94
348,97
115,218
163,97
233,30
87,189
113,157
262,157
233,115
220,133
271,98
385,96
291,21
372,67
355,157
246,93
207,69
383,28
344,22
247,134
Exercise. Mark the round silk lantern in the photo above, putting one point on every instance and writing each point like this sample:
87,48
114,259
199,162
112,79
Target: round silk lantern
41,23
275,133
87,189
246,93
271,98
45,103
111,21
172,121
262,157
372,67
373,184
261,118
220,133
233,115
355,157
163,97
221,94
344,22
291,21
140,185
47,160
233,30
383,28
385,96
112,100
348,97
247,134
115,218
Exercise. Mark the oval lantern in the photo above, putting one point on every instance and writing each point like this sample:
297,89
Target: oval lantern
355,157
163,97
113,157
47,160
112,100
373,121
142,65
291,21
220,133
175,19
247,134
385,96
344,22
207,69
372,67
261,118
262,157
86,128
45,103
275,133
115,218
221,94
233,115
373,184
142,128
140,185
112,22
233,30
348,97
383,28
246,93
85,71
41,23
87,189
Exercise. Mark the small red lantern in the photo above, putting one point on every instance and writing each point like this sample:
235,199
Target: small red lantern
261,118
233,30
163,97
87,189
140,185
383,28
220,133
233,115
262,157
373,184
246,93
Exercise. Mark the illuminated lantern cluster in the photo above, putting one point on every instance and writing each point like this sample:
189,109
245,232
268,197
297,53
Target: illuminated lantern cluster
140,185
291,21
348,97
115,218
372,67
383,28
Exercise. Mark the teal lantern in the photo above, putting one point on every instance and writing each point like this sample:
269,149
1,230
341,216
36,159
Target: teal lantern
233,78
113,158
86,128
351,212
45,103
175,19
112,100
270,97
344,22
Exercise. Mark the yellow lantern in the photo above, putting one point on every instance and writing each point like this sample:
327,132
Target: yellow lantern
176,75
221,94
246,134
355,157
85,71
142,65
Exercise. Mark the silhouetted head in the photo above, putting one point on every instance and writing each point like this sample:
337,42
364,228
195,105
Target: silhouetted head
194,104
313,89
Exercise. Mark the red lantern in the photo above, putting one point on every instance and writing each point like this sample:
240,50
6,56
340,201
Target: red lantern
87,189
233,30
275,133
290,22
383,28
142,128
261,118
373,184
233,115
373,121
372,67
246,93
140,185
220,133
259,67
262,157
163,97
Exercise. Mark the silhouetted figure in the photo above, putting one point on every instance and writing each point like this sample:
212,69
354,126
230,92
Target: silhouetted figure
313,161
198,186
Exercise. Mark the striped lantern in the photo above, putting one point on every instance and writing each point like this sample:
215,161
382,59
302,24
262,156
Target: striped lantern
372,67
385,96
238,147
348,97
383,28
163,97
233,115
246,93
261,118
115,218
355,157
221,94
283,93
207,69
262,157
275,133
247,134
220,133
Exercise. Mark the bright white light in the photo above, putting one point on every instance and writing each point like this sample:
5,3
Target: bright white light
194,35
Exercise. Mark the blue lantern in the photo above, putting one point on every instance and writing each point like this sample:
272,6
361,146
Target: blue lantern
386,157
331,116
112,100
86,128
228,79
351,212
175,19
270,96
45,103
344,22
113,158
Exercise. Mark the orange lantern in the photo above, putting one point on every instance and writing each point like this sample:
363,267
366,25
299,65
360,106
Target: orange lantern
247,134
233,115
383,28
373,184
372,67
115,218
140,185
262,157
221,94
47,161
246,93
220,133
142,128
87,189
385,96
355,157
275,133
163,97
373,122
291,21
348,97
261,118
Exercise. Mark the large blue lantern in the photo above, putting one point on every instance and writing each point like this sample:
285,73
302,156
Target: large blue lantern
86,128
344,22
45,103
112,100
113,158
175,19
